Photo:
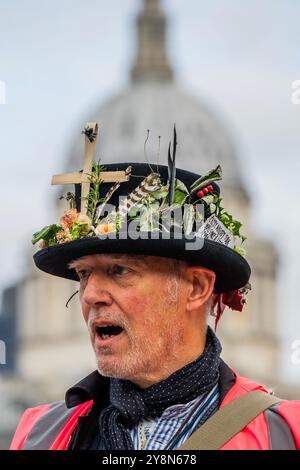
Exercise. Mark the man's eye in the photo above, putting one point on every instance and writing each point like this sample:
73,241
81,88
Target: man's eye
83,273
120,270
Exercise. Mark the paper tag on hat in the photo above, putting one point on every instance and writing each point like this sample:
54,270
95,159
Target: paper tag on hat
214,229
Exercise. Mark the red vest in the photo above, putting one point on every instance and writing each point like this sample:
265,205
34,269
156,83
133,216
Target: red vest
50,426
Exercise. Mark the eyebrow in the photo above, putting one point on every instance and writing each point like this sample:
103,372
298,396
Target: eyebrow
141,259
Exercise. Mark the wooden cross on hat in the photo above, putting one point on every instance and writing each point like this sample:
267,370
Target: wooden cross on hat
91,133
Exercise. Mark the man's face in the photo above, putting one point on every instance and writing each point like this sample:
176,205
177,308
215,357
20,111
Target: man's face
134,312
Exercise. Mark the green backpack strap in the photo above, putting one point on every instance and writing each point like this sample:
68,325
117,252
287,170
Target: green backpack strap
229,420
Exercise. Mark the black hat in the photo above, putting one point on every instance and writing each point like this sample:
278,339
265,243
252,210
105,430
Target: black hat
205,236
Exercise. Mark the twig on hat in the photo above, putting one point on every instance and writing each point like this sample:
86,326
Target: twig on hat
172,167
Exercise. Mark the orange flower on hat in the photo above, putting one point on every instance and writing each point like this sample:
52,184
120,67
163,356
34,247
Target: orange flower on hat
104,228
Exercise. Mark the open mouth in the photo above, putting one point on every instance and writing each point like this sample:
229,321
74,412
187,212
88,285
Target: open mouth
108,331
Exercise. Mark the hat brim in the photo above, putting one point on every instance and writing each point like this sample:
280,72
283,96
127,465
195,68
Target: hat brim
232,270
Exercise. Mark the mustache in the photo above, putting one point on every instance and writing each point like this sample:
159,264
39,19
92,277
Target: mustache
95,317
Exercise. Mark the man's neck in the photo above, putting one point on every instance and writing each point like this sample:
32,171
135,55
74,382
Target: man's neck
149,379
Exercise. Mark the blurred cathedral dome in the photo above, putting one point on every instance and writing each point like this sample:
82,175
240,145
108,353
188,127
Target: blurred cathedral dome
155,101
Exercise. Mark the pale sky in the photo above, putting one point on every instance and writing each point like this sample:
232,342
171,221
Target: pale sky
61,58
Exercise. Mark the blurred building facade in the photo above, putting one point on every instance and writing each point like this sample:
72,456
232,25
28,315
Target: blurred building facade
53,345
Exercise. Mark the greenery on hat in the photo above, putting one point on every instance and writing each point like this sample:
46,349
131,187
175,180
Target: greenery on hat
74,225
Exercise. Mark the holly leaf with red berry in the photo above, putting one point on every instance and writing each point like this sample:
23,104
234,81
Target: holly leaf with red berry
208,197
213,175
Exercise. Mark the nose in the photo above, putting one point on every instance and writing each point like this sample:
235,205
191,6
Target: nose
96,291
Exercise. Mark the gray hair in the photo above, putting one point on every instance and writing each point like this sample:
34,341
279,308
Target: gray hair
173,282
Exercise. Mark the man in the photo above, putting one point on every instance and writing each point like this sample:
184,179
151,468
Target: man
146,301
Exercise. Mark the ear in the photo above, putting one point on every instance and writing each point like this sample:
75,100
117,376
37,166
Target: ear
201,286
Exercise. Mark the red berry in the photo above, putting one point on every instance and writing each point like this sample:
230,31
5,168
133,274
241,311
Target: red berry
200,193
205,190
210,187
